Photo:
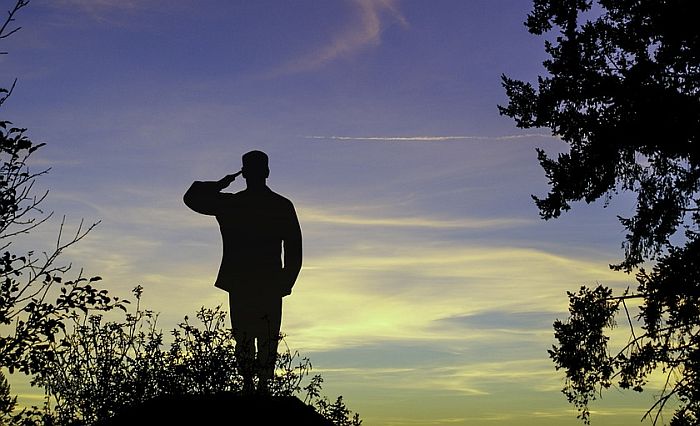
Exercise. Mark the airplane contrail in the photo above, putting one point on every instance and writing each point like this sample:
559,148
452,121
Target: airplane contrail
429,138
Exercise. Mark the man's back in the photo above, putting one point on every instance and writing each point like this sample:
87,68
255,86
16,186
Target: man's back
257,227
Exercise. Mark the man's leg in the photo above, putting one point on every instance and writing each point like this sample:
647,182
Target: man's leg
245,342
268,340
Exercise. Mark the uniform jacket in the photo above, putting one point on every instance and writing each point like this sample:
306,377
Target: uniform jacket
261,238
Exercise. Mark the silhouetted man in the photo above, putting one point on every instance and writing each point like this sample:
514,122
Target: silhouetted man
260,263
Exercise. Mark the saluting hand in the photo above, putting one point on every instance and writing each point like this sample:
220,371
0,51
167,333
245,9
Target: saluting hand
226,180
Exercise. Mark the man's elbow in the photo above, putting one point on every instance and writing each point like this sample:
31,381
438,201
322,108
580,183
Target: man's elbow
202,197
190,199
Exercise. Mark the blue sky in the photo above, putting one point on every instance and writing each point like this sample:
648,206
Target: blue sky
429,283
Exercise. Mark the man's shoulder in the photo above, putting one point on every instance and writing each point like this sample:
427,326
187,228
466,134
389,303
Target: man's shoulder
229,200
236,195
268,198
281,199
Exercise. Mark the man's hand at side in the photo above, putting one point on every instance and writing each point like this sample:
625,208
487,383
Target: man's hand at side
286,284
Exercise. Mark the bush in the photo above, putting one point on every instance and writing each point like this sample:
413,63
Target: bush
102,367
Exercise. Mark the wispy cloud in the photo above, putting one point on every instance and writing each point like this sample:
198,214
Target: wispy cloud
314,215
364,31
465,377
104,11
403,293
94,6
430,138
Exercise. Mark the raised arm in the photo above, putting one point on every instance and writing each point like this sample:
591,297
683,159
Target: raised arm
205,196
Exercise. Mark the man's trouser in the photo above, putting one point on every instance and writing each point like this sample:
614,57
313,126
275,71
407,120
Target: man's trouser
256,320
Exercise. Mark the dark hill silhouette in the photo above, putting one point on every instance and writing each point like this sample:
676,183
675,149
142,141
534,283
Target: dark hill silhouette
222,408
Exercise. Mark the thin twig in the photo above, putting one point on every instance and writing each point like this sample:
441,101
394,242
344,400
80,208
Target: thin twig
10,18
629,321
661,403
9,91
625,297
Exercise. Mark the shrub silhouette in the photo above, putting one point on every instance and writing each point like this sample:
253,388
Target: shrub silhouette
101,368
32,310
36,298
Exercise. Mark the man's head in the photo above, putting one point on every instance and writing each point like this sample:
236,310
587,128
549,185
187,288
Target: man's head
255,165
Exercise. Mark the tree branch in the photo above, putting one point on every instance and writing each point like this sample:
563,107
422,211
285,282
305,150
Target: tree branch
10,18
6,91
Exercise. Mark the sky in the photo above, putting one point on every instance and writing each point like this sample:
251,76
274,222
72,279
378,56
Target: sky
430,283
